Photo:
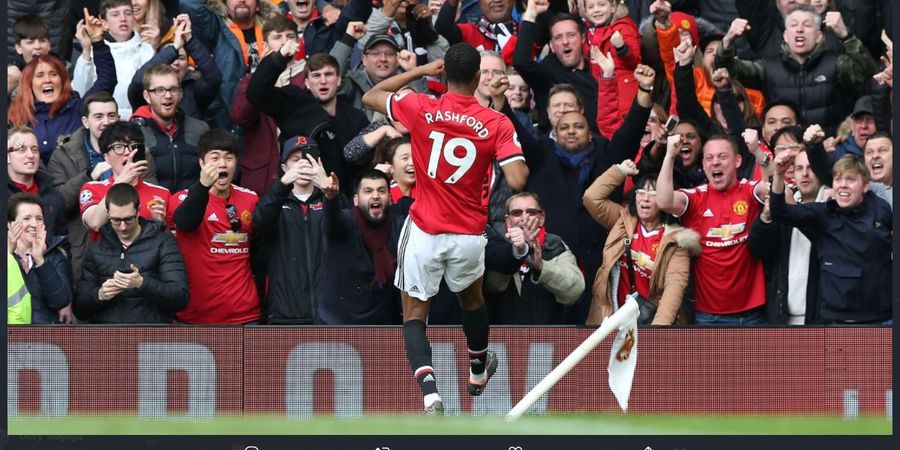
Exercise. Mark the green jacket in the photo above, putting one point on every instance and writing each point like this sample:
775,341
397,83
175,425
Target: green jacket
18,300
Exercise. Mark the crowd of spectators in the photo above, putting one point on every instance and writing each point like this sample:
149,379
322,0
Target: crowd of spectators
212,161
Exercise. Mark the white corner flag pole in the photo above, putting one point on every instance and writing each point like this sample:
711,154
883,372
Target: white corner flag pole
625,314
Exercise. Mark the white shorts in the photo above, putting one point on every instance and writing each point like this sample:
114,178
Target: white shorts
423,259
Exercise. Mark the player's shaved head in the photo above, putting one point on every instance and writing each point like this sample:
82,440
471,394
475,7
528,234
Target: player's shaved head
462,63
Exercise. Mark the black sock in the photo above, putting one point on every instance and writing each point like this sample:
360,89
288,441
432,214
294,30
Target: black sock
418,353
477,329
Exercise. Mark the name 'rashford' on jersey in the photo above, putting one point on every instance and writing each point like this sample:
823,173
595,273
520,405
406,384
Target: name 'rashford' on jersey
454,143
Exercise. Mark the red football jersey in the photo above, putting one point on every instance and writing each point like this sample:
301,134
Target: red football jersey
454,142
727,279
644,245
93,192
217,260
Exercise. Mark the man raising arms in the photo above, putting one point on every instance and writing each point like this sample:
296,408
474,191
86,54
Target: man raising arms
454,141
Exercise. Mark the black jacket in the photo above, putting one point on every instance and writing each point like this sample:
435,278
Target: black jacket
771,243
175,158
297,112
52,204
558,187
320,38
543,75
346,295
156,255
813,86
535,305
50,285
289,233
854,255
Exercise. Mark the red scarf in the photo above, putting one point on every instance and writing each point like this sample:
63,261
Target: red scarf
375,240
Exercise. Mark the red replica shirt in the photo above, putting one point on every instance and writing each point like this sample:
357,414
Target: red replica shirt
474,37
644,245
727,279
217,259
28,190
454,142
93,192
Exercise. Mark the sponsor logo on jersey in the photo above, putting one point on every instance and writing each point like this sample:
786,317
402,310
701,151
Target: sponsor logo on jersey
726,231
707,213
213,217
246,217
230,238
740,208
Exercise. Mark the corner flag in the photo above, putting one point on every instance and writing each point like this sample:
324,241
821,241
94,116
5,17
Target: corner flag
623,356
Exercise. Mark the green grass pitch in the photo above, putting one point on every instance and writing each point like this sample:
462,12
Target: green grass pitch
561,424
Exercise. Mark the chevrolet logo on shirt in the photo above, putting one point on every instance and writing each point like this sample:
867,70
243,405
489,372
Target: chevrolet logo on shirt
230,238
726,231
641,260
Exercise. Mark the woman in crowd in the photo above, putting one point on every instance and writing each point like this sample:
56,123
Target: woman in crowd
46,101
395,159
661,249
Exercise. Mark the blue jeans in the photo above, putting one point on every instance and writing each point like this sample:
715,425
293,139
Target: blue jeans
756,316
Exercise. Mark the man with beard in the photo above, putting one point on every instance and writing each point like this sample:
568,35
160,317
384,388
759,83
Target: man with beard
729,288
232,30
361,258
169,135
213,224
317,112
566,63
200,85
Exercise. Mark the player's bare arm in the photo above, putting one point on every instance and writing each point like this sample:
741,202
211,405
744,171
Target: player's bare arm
376,98
516,174
668,200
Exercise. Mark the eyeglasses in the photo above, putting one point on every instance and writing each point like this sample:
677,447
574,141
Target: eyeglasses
494,73
645,192
529,211
120,148
782,147
388,53
120,220
231,210
160,91
22,149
